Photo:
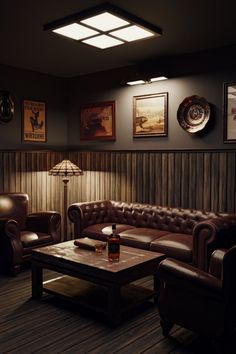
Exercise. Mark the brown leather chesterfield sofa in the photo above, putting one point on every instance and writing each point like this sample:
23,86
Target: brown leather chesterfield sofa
20,232
184,234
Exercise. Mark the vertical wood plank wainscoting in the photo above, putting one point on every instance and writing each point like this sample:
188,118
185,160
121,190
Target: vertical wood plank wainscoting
188,179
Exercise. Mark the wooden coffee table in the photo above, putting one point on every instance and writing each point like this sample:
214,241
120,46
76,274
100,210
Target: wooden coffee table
93,282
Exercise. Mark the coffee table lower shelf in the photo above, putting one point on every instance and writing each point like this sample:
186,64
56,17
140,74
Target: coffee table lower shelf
93,296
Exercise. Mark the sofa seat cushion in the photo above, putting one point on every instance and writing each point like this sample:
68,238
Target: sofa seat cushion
140,237
178,246
31,239
101,231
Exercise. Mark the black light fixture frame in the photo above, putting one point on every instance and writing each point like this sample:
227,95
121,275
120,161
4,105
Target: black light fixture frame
146,76
96,10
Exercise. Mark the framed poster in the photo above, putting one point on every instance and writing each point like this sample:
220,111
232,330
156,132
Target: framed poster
150,115
34,121
97,121
230,112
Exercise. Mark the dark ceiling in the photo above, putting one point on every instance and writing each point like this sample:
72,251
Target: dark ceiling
188,26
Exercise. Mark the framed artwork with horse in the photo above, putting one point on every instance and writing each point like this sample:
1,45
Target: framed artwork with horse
150,115
97,121
34,127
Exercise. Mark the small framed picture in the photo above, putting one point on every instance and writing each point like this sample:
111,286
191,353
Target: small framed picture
97,121
150,115
34,121
230,112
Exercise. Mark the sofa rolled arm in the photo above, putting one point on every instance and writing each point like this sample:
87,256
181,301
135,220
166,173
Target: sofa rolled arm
88,213
47,222
75,215
185,276
208,235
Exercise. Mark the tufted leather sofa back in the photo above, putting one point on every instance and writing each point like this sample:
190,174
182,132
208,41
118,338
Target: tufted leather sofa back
175,220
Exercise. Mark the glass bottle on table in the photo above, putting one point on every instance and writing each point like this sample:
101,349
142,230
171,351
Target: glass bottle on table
113,245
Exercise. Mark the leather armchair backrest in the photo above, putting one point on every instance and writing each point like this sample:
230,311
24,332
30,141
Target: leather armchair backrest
14,206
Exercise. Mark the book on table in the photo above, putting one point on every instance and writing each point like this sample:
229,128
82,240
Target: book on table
89,243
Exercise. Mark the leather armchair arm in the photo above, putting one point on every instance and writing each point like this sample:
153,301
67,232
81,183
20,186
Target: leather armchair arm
216,263
47,222
14,250
3,222
211,234
229,275
223,265
185,276
89,213
12,230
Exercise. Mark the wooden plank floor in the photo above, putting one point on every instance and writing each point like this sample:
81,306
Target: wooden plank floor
51,326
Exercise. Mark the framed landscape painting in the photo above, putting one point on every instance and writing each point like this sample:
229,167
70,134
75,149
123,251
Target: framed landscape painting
150,115
97,121
230,112
34,121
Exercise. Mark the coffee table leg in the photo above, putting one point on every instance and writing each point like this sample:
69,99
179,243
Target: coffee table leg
37,281
156,287
114,304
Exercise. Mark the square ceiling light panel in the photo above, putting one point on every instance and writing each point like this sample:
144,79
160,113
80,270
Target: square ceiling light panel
76,31
104,26
105,22
132,33
103,41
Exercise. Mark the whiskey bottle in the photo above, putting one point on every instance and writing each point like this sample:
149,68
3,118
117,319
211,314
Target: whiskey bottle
113,245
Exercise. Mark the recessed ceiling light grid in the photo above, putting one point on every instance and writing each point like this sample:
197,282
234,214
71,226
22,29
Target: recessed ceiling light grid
104,26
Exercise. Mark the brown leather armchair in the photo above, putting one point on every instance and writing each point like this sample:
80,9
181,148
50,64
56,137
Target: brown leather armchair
20,232
204,302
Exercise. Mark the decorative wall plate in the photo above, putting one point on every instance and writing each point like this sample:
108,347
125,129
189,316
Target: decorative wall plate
193,113
6,107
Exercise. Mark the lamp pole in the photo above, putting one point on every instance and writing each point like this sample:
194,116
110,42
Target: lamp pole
65,181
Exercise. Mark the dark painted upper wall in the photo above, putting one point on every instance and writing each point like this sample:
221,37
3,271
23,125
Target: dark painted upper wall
23,84
201,74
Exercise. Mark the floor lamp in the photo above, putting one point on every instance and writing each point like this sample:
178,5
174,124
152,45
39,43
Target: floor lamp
65,169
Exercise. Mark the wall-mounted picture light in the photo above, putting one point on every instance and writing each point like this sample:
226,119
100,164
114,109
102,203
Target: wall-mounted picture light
146,81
